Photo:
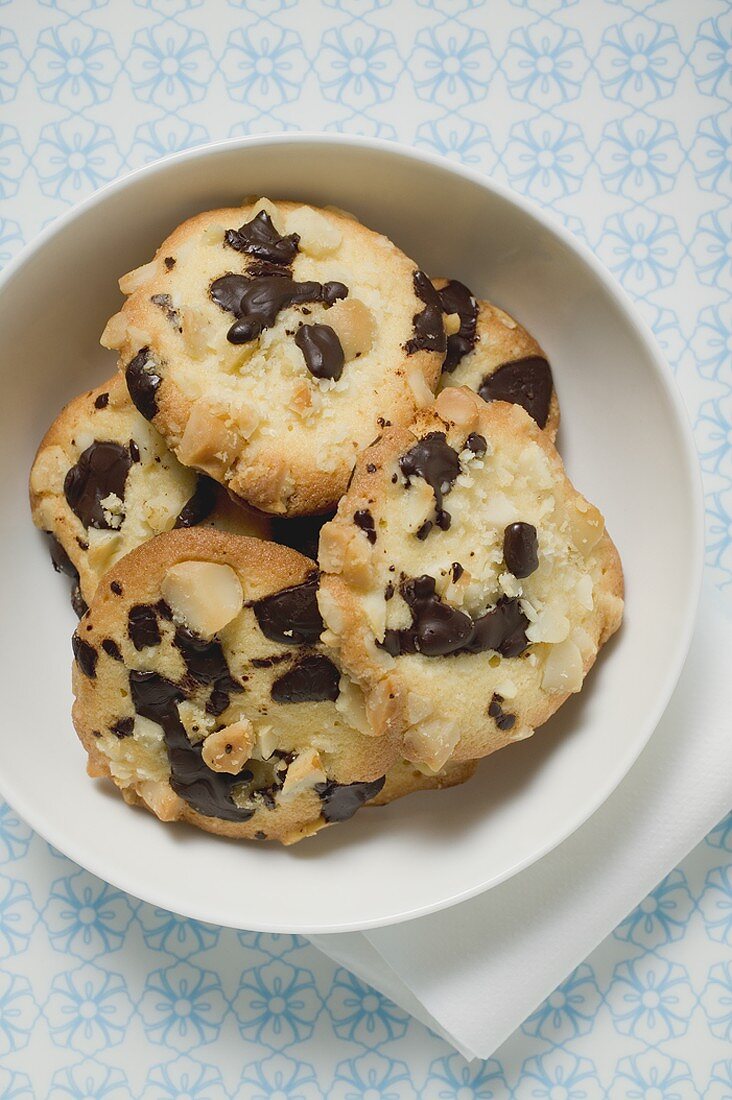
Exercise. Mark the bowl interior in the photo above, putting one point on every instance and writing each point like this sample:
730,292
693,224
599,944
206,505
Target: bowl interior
623,438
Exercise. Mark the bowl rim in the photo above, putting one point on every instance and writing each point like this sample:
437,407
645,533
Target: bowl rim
641,330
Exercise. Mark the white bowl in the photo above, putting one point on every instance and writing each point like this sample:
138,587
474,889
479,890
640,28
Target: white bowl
627,446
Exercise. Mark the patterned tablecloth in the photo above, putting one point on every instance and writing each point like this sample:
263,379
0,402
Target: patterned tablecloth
616,116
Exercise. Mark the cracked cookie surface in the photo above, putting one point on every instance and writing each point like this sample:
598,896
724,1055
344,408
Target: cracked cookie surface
466,585
203,692
269,343
103,482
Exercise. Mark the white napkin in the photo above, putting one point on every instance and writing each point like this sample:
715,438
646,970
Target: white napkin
474,973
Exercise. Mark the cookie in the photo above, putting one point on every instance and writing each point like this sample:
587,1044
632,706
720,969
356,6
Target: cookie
270,343
467,586
103,481
202,690
494,355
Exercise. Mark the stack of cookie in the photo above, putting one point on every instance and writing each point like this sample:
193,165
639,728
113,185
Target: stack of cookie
323,549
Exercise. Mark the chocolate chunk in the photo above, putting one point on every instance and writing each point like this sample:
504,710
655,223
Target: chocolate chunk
207,792
476,443
169,262
166,304
365,521
116,587
228,290
85,656
60,560
301,533
112,650
291,616
521,549
134,451
433,459
123,728
257,302
143,382
101,401
321,349
457,571
502,629
429,331
456,298
218,702
311,680
260,238
438,629
526,382
142,626
201,504
389,591
78,603
205,661
342,800
423,531
100,470
503,720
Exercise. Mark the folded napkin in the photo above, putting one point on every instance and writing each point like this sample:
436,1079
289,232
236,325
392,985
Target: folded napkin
473,973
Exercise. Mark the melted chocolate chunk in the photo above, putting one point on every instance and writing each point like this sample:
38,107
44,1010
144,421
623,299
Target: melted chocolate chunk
207,792
206,664
143,382
301,534
123,728
433,459
342,800
134,451
60,560
291,616
100,470
503,720
112,650
257,302
311,680
321,349
429,331
389,591
438,629
142,626
521,549
365,521
476,443
502,629
260,238
116,588
101,401
166,304
201,504
169,262
457,571
526,382
456,298
85,656
422,532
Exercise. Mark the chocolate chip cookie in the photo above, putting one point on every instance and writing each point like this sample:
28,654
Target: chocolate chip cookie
467,586
203,691
270,343
103,481
494,355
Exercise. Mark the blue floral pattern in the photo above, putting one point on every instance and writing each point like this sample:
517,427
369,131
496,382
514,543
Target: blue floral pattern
183,1006
361,1014
617,115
